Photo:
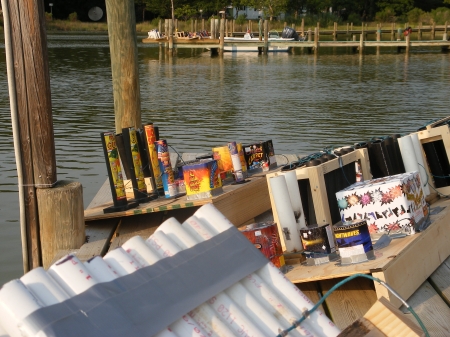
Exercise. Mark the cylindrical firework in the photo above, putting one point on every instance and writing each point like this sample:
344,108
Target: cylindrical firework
114,173
150,137
168,178
133,157
237,166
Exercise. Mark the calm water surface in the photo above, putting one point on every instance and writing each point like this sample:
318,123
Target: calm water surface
303,102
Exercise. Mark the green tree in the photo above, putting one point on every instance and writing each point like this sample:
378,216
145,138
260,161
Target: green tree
270,8
400,7
185,12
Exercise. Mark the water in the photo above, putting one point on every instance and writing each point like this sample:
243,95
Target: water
301,101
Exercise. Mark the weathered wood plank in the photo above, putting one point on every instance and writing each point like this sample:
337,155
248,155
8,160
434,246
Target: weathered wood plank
350,301
312,291
430,308
440,280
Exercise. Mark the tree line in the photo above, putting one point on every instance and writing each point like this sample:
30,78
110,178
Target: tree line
355,11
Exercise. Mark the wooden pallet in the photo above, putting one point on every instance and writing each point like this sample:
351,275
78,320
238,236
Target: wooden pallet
316,177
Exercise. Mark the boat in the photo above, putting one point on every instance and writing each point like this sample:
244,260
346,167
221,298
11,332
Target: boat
248,39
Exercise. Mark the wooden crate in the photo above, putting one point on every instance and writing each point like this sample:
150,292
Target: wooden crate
316,178
431,134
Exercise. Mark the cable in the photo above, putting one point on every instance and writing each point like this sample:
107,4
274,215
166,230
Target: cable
179,156
426,183
306,313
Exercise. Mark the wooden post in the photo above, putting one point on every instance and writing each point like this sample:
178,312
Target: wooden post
192,26
433,31
378,36
203,24
318,28
407,43
354,37
334,31
351,26
392,31
347,27
226,27
61,219
233,29
160,26
222,35
303,27
309,34
444,37
316,39
216,28
261,24
419,32
34,109
361,43
266,36
285,24
124,63
213,29
170,34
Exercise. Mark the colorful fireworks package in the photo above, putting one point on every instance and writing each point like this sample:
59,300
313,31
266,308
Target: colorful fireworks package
202,180
394,204
260,156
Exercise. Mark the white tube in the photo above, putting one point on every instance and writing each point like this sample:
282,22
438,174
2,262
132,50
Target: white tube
277,307
72,275
16,303
287,226
187,327
225,308
162,245
419,156
317,322
3,332
167,332
208,320
194,226
272,302
16,132
43,287
122,262
294,196
257,313
101,271
140,251
172,228
408,154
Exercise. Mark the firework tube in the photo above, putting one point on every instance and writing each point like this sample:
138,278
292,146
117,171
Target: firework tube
168,178
236,160
150,138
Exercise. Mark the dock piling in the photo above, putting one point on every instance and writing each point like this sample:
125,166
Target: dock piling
266,36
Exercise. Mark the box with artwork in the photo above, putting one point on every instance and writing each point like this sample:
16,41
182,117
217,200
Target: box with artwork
393,204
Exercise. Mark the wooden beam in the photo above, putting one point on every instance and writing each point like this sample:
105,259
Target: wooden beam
124,63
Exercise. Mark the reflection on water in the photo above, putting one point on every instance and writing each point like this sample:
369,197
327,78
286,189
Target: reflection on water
302,101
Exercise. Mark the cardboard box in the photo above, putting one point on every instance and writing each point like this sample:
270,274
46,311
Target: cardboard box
394,203
260,156
202,180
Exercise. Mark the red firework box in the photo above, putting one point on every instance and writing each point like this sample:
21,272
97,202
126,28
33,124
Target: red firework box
264,236
394,204
260,156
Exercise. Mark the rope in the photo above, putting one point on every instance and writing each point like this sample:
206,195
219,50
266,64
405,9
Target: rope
306,313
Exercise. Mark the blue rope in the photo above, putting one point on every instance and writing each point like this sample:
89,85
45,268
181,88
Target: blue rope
337,285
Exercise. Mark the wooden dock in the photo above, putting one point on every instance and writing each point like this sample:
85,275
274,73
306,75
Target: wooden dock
310,45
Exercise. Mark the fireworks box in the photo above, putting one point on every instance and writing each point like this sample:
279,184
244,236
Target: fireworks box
393,204
260,156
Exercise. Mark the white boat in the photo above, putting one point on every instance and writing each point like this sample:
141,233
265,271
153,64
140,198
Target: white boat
273,36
